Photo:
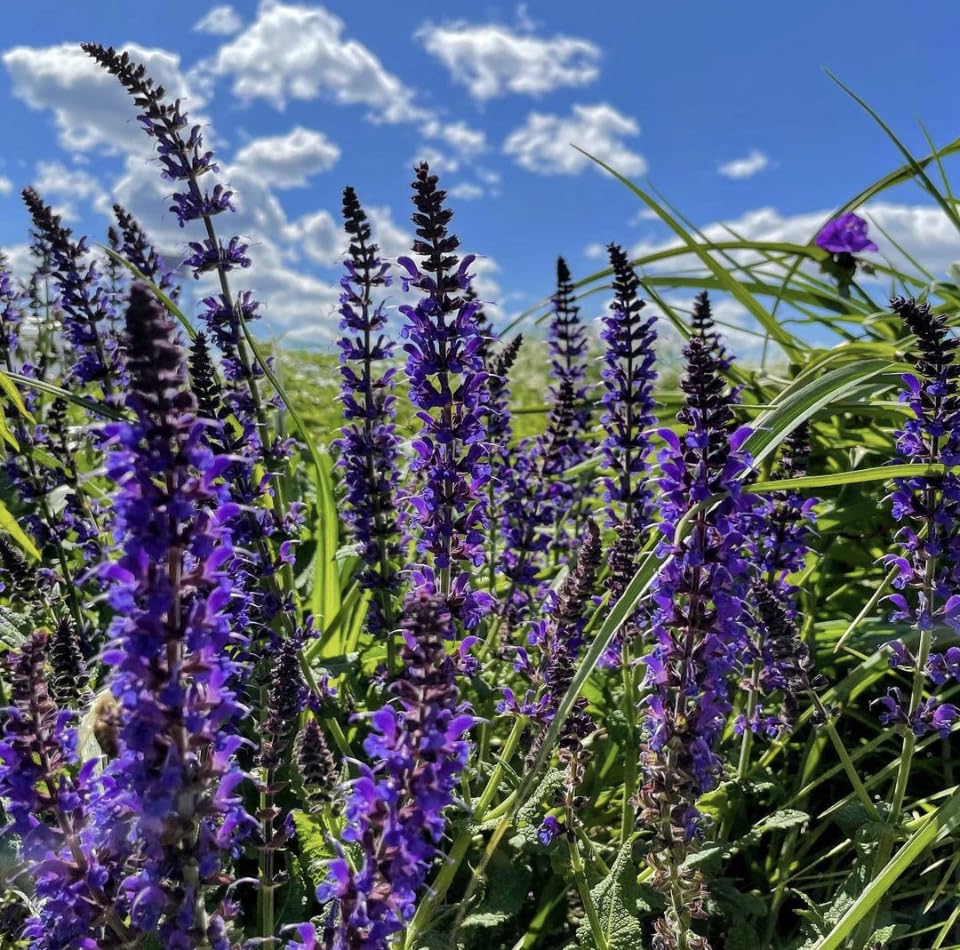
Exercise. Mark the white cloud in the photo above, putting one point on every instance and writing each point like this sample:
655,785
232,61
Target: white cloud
461,137
544,142
220,21
289,160
745,167
54,180
491,60
6,186
91,110
300,52
467,191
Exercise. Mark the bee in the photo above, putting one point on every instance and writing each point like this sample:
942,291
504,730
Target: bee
99,728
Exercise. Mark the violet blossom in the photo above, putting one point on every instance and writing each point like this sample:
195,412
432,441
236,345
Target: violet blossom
446,377
928,508
176,773
698,629
395,808
628,379
368,443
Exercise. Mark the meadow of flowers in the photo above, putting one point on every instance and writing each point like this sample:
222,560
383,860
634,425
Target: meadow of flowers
674,671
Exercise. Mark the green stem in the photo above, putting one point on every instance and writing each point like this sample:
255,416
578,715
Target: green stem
583,888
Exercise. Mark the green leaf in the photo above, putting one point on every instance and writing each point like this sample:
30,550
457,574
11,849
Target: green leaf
723,276
12,527
805,396
874,892
617,898
880,473
508,884
314,847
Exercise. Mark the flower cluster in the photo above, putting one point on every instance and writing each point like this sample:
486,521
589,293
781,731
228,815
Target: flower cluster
395,810
928,568
698,629
135,247
447,385
779,542
568,363
176,773
628,377
84,303
368,444
528,513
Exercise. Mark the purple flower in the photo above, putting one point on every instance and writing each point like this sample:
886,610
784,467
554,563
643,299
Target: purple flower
697,623
134,246
395,809
845,235
47,802
628,378
85,304
568,360
171,649
447,379
781,530
928,566
368,444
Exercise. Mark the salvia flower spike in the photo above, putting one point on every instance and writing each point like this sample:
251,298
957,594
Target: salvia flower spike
368,442
928,565
446,377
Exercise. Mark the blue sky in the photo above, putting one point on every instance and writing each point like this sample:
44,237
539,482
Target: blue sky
723,106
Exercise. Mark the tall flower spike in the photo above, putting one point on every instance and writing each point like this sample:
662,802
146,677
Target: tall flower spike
628,378
176,772
781,531
568,351
317,765
698,629
555,639
135,248
532,503
84,304
368,443
446,377
928,566
186,163
395,810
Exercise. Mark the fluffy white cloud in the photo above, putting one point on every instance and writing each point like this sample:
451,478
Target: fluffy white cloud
289,160
461,137
544,142
300,52
90,108
61,187
220,21
6,186
745,167
491,60
467,191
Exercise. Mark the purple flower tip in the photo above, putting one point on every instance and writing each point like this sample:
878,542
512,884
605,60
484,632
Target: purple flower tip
845,234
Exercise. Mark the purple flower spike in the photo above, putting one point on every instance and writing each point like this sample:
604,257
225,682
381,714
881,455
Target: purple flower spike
395,810
447,379
698,622
173,677
368,444
928,566
845,235
628,378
